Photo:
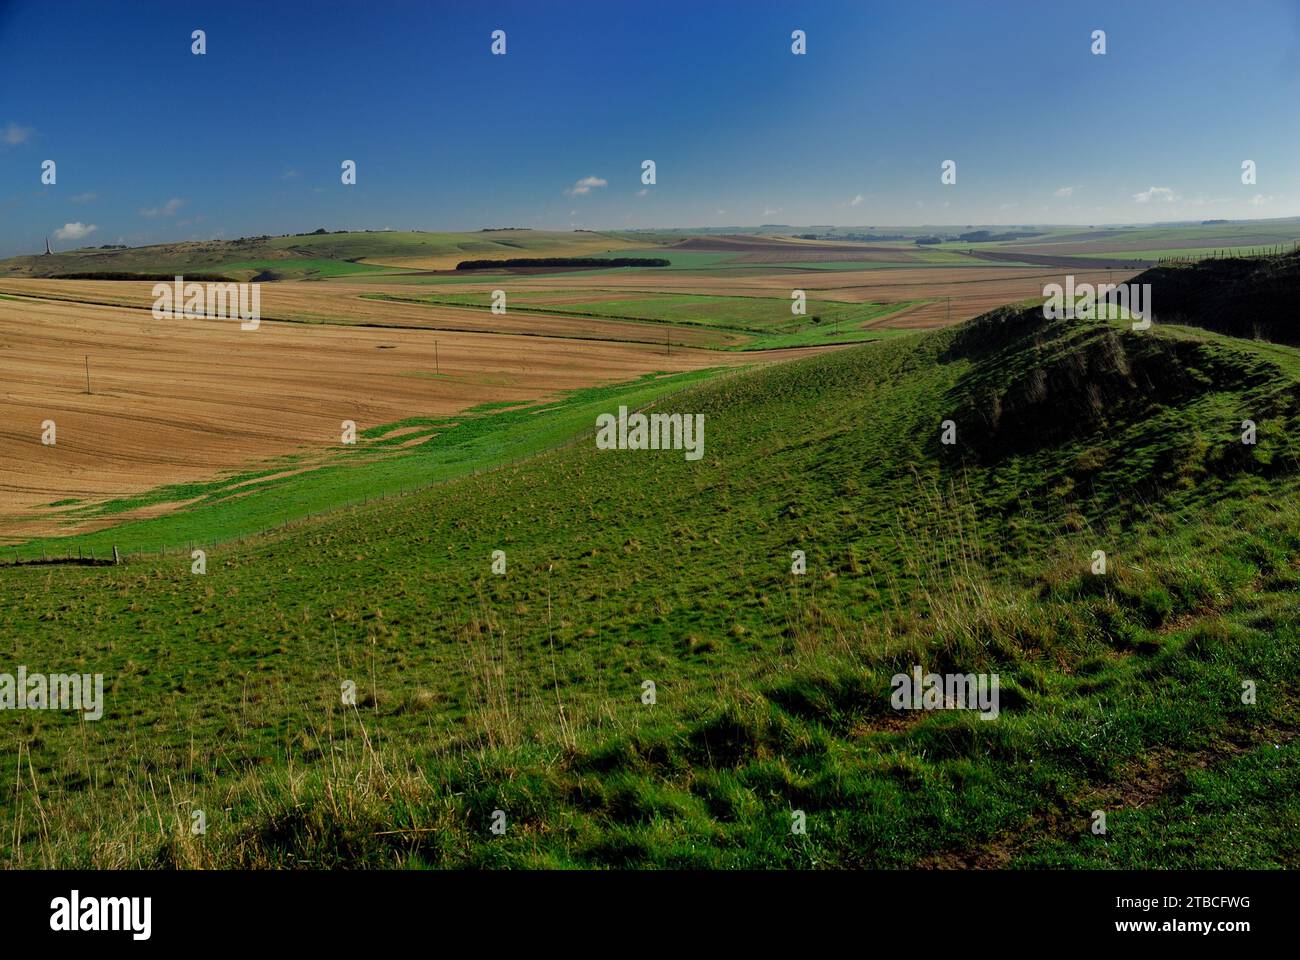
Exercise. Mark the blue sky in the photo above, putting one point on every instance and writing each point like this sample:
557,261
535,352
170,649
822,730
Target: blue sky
155,144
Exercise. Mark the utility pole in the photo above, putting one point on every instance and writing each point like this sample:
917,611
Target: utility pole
87,373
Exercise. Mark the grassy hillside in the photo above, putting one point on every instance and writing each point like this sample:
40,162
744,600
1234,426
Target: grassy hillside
312,256
1251,296
523,692
388,459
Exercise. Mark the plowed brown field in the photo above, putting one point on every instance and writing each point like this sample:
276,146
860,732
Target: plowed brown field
330,303
187,400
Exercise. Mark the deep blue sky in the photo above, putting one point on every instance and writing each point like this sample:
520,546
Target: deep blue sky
153,143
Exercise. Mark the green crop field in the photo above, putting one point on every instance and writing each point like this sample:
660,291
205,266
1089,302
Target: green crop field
1188,253
768,320
297,268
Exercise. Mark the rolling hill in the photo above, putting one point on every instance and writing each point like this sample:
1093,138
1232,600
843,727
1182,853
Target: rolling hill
526,692
317,255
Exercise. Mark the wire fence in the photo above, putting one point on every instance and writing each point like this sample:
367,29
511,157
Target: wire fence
1235,253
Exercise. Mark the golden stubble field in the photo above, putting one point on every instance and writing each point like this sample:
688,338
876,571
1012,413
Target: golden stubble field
185,400
956,294
344,303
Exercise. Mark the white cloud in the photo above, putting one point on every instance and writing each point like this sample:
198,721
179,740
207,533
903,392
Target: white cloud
1065,191
74,231
644,191
856,201
12,135
84,197
769,211
1259,200
584,186
1156,193
168,209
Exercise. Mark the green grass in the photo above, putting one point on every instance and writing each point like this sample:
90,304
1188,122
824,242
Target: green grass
394,244
678,259
294,268
1186,253
523,692
766,320
437,450
307,255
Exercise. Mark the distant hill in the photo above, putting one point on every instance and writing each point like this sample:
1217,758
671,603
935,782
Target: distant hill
589,263
318,255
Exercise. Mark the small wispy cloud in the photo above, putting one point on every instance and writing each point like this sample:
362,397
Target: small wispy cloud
1260,200
770,211
11,134
644,191
74,231
84,197
584,186
289,174
1156,193
856,201
1065,191
168,209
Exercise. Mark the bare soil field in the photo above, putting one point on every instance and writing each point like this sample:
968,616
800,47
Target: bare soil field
1062,262
579,245
973,290
187,400
793,250
1085,244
